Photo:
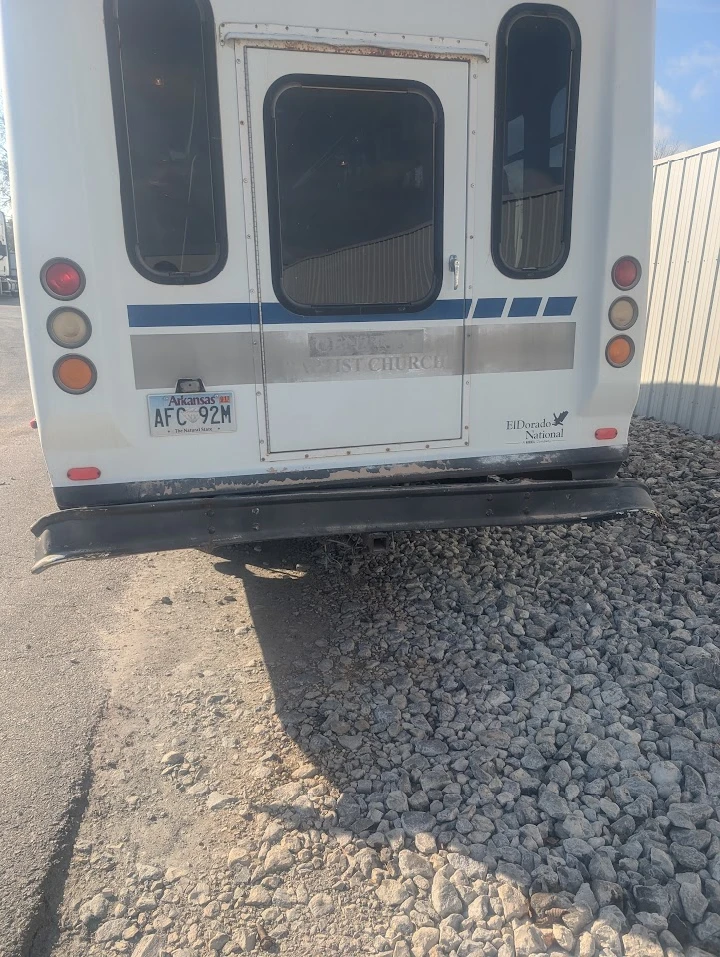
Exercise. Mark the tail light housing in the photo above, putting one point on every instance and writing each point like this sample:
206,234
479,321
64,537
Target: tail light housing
620,351
626,273
75,374
624,313
69,328
62,279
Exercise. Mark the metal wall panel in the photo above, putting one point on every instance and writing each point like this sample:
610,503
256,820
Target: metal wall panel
681,369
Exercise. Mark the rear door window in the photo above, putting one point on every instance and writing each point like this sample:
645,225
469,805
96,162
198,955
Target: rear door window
537,94
162,55
355,194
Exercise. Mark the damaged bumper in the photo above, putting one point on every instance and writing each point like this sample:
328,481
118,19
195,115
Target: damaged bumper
105,531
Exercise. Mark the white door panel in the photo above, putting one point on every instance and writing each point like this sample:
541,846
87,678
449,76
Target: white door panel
346,414
343,126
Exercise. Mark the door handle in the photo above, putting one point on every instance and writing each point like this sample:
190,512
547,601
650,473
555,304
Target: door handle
455,269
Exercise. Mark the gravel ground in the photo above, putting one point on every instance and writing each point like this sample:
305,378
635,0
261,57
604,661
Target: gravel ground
501,742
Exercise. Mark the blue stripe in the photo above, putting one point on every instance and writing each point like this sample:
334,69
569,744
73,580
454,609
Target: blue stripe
490,308
560,306
525,308
241,314
202,314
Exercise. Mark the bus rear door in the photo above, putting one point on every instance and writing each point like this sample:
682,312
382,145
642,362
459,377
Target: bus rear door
359,187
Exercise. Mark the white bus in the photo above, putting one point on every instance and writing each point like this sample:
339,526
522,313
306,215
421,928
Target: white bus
356,268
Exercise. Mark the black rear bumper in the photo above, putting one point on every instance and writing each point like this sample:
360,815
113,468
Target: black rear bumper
105,531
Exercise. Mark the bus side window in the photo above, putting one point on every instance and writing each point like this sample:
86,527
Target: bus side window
162,58
537,96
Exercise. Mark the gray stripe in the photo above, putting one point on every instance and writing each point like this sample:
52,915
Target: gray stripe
530,347
223,359
220,358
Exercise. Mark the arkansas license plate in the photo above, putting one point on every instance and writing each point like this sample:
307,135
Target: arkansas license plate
197,413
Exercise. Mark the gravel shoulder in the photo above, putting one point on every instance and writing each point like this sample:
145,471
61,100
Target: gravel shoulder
501,742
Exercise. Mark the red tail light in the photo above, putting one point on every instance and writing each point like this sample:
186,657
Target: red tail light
62,279
87,474
626,273
605,435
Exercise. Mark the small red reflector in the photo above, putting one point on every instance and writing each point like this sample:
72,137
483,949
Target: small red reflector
62,279
604,434
33,423
88,474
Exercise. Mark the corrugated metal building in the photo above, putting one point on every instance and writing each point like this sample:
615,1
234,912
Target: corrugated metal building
681,369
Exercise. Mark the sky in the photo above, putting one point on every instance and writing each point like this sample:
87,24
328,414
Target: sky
687,73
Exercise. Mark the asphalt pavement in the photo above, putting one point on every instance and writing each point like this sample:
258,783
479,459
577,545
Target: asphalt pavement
53,649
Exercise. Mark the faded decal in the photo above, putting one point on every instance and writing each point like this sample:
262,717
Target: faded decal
322,344
299,357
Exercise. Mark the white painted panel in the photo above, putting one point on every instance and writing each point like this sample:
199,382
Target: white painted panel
350,414
681,370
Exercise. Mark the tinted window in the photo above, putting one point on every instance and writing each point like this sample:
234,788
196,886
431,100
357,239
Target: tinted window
168,137
535,141
354,178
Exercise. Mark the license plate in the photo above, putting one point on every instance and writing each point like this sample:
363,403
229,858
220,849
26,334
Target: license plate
198,413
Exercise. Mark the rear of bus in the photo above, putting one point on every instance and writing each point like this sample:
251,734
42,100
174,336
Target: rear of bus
321,274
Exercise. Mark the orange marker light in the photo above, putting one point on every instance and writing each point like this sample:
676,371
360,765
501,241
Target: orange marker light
620,351
87,474
75,374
